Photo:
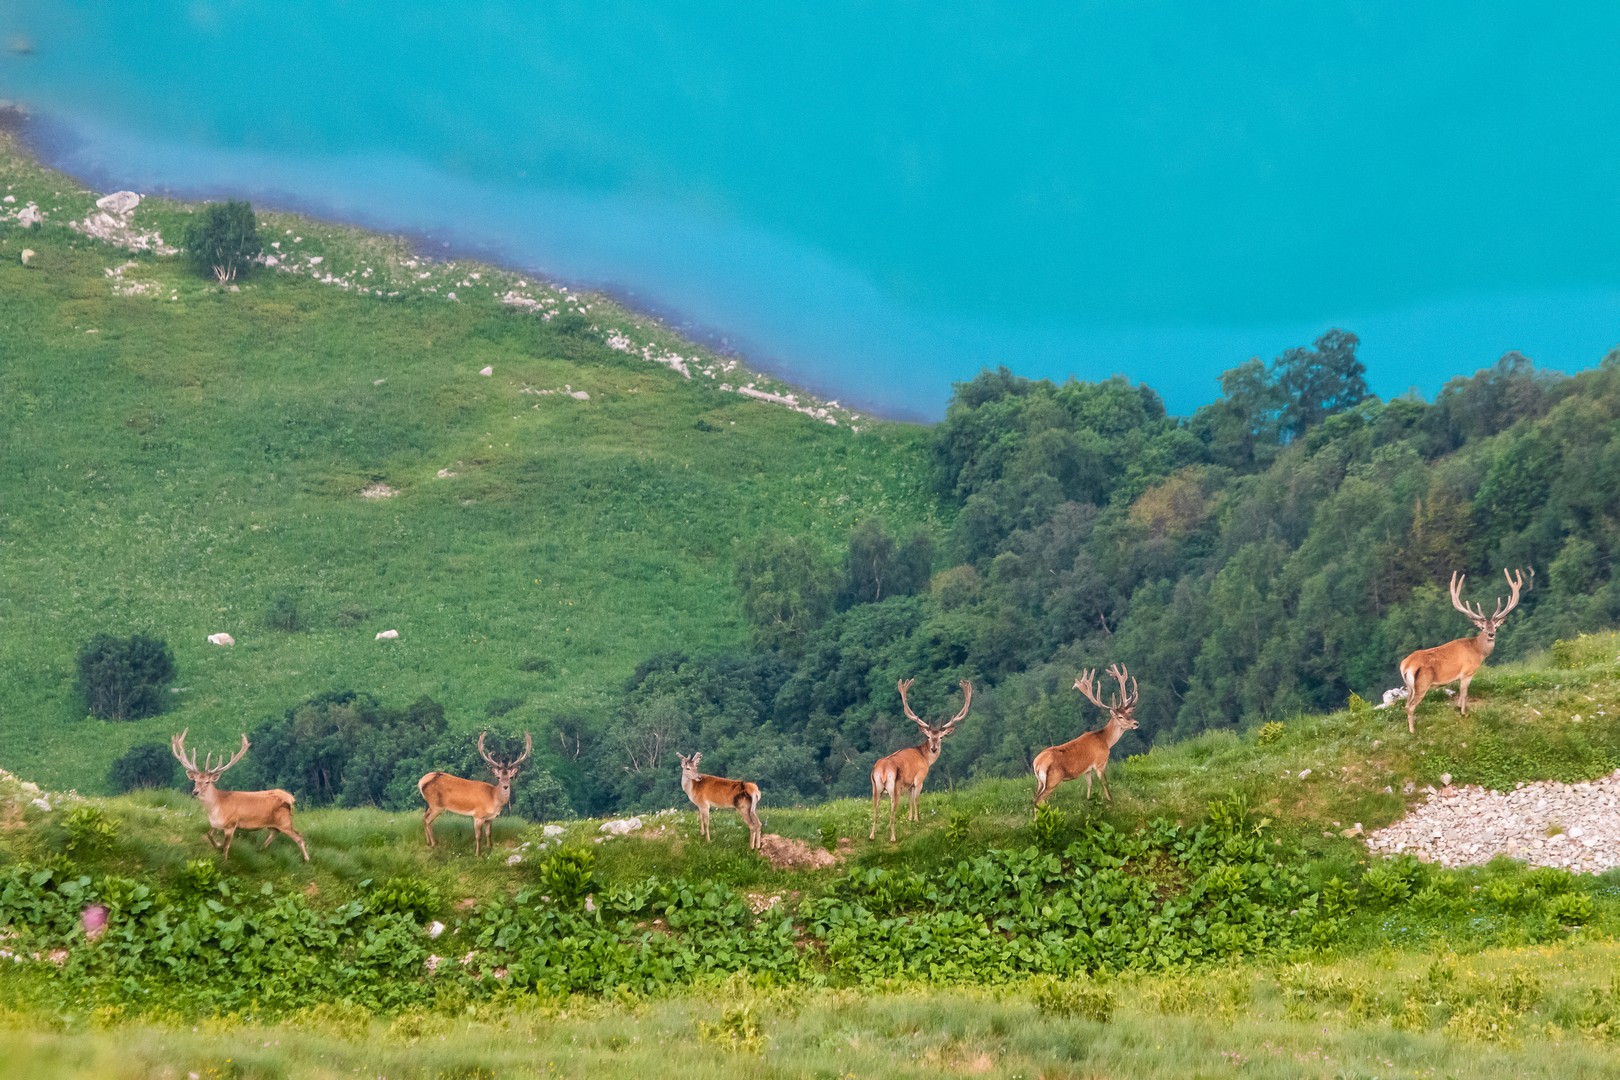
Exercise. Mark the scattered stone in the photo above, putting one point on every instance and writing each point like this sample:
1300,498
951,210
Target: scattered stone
486,371
378,490
1445,779
1303,773
620,826
548,831
387,635
119,202
579,395
445,474
513,859
1572,826
28,256
30,215
221,639
435,928
40,804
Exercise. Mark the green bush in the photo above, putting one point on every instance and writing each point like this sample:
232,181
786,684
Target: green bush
568,875
1050,821
1270,732
1393,880
417,900
284,613
145,765
222,240
124,678
1570,909
89,830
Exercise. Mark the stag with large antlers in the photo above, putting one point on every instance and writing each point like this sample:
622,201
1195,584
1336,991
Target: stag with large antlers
232,810
907,769
473,798
1088,754
1456,661
709,791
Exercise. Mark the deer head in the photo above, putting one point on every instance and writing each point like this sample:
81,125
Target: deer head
936,736
504,771
1122,709
689,765
204,778
1489,624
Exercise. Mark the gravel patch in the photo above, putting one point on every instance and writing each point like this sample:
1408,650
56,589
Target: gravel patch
1546,823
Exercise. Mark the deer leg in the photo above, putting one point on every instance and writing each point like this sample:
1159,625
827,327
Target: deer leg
427,825
877,793
1088,785
1462,693
230,833
894,798
1416,689
703,822
275,831
208,834
911,813
292,834
1102,777
752,817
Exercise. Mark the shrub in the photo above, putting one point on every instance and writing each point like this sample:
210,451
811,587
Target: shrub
406,896
124,678
89,831
738,1029
1393,880
223,240
145,765
1049,825
1570,909
568,876
284,613
1270,732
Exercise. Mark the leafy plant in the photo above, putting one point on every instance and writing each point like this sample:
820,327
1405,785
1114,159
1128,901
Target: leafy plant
1073,998
124,678
89,830
1270,732
1049,824
737,1029
222,240
568,875
411,897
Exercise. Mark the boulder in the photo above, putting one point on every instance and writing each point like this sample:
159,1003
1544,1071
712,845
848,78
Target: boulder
221,639
119,202
387,635
29,215
487,371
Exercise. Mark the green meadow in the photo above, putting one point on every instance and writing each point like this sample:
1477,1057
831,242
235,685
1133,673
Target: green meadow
182,461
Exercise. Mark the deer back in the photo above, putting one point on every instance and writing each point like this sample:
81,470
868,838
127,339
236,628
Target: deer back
247,809
458,795
708,790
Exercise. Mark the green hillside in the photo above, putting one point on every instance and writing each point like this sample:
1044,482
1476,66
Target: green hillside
181,459
1214,921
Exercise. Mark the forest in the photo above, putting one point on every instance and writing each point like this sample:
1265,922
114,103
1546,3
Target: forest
1276,552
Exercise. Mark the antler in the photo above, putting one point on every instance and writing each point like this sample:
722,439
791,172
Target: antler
905,684
1127,695
1087,685
528,748
1476,613
1515,582
967,703
177,747
217,769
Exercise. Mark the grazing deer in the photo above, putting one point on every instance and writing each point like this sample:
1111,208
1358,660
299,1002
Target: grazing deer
907,769
710,791
1458,660
1089,753
232,810
480,801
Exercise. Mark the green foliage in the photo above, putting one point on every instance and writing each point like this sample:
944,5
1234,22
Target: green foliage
568,875
1391,881
144,765
1270,732
1570,909
89,830
737,1029
1067,998
415,899
1358,704
787,590
222,240
124,678
285,613
1049,825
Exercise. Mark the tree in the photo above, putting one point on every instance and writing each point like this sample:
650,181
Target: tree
223,240
1318,382
124,678
787,590
146,765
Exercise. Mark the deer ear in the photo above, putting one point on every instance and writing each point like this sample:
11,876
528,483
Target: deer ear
697,758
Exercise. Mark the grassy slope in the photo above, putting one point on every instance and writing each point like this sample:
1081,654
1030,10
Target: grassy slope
1343,1015
171,465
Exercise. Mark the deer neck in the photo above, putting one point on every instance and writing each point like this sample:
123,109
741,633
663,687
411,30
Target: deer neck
686,784
1112,731
211,800
1483,645
929,753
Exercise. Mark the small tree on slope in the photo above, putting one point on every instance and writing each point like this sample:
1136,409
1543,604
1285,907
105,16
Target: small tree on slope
223,240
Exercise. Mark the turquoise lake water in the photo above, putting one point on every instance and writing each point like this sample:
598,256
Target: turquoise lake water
879,199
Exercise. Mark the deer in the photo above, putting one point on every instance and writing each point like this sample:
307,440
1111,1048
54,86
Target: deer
476,799
1456,661
907,769
707,792
232,810
1088,754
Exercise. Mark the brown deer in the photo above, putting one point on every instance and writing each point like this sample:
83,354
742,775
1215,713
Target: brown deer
1089,753
1456,661
907,769
480,801
232,810
710,791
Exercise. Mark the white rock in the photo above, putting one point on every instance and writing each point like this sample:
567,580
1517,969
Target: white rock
548,831
486,371
9,199
119,202
1445,779
1303,773
620,826
513,859
40,804
580,395
387,635
28,255
316,260
221,639
29,215
435,928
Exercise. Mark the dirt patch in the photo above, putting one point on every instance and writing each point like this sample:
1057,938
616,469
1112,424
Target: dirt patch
784,853
378,490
